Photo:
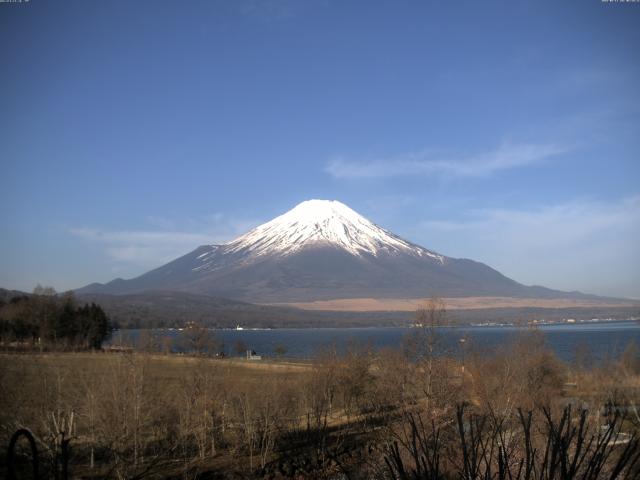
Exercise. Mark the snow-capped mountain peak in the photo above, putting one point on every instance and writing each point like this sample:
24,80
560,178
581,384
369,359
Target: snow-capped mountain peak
322,250
323,223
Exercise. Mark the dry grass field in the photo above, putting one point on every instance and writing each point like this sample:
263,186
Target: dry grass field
462,303
147,415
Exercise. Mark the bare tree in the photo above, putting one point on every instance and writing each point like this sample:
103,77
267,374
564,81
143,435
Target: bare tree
199,340
427,341
280,350
240,347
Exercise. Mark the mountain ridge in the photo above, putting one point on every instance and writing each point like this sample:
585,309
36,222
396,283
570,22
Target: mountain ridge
323,250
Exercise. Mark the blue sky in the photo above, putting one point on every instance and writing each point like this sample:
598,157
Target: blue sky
506,132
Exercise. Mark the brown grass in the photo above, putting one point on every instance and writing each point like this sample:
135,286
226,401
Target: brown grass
164,366
463,303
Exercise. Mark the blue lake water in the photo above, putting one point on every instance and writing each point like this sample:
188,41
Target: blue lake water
604,340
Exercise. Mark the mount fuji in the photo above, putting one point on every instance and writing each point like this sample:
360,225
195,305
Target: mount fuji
323,250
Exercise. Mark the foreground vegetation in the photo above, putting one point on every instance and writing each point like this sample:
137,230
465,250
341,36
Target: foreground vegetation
407,414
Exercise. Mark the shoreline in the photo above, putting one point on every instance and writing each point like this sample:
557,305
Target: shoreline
541,323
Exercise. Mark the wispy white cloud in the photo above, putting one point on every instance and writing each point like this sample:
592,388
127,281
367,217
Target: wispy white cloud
129,236
584,244
563,223
155,246
506,156
143,248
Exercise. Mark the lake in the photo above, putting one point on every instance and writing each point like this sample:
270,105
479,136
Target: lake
603,340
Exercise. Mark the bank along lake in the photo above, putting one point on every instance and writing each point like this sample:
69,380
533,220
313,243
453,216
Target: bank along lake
601,340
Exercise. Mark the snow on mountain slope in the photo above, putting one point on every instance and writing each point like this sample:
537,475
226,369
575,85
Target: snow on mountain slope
322,250
321,223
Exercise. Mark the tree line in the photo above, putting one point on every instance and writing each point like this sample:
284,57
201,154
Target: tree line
46,319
